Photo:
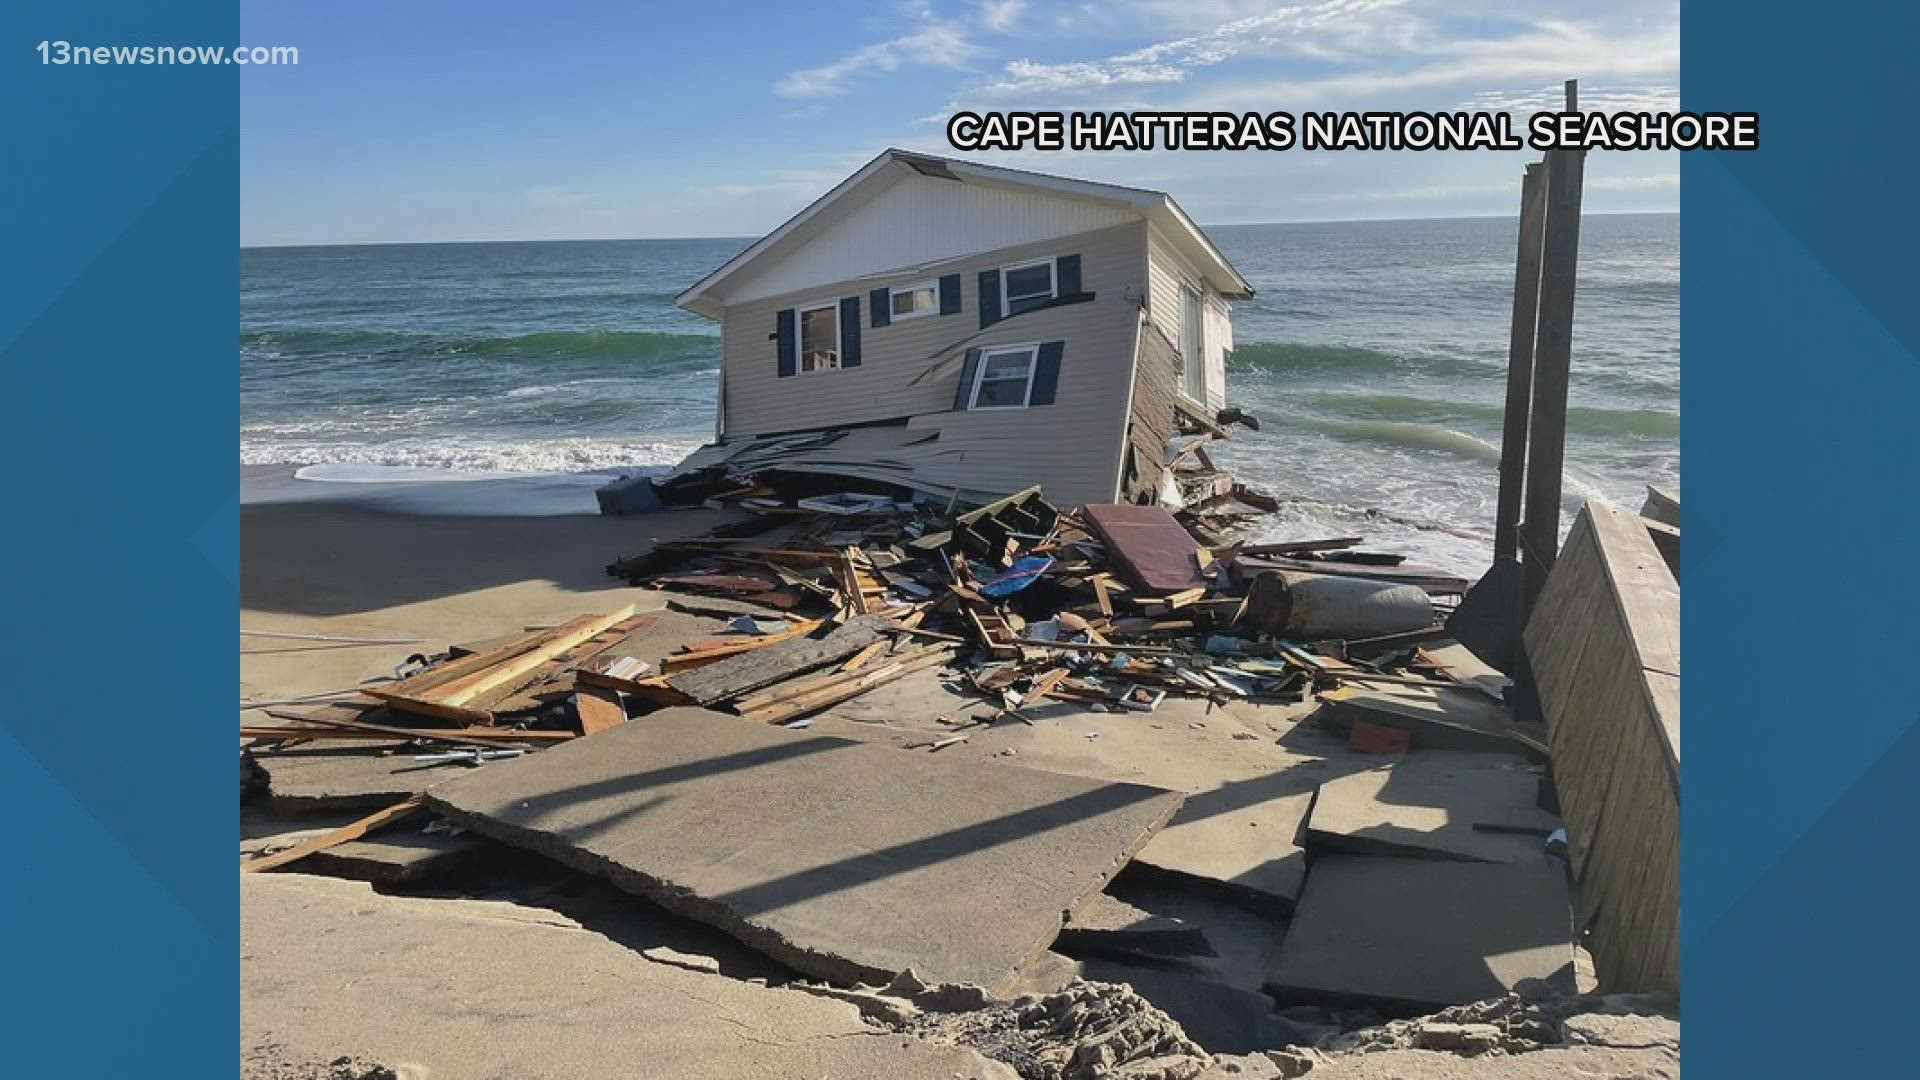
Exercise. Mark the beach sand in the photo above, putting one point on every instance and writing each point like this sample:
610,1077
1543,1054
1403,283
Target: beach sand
342,567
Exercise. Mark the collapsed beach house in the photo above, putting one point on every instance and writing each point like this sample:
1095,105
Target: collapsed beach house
961,332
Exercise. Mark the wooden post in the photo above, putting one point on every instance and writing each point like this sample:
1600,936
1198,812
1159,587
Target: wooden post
1526,303
1552,357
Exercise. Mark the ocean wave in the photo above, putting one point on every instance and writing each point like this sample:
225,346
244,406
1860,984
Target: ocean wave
1293,358
562,455
1414,436
1581,420
556,344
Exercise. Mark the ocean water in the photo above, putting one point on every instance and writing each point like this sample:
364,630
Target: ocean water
1374,357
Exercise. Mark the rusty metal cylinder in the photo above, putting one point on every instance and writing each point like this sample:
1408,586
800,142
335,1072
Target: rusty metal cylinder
1315,607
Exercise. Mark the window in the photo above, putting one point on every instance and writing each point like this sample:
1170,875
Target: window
915,300
820,338
1024,286
1005,378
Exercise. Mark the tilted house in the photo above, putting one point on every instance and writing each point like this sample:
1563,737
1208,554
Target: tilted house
967,330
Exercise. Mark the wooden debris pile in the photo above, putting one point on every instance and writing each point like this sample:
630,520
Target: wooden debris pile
1110,606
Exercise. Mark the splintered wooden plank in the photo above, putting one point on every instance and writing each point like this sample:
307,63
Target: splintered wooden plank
555,677
751,671
463,690
707,654
454,735
838,688
460,667
341,835
598,709
1101,595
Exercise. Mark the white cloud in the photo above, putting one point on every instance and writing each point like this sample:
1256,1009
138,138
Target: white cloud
1652,98
1544,51
1001,15
935,44
1284,29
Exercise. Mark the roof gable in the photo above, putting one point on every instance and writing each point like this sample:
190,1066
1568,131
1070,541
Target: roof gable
905,210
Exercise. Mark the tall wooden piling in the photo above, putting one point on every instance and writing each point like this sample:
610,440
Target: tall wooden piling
1514,427
1552,357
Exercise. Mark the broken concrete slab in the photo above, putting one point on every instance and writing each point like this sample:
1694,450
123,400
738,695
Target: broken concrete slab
1239,840
538,998
1219,1017
1439,719
846,861
399,858
1410,935
389,857
332,776
1107,925
1459,805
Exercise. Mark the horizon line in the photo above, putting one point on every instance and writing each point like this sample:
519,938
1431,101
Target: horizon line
750,236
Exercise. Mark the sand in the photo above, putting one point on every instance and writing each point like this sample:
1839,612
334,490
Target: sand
348,569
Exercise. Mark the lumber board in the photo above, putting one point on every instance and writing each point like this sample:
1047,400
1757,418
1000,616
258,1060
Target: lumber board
866,680
450,735
352,831
743,674
325,734
793,689
567,637
462,666
555,677
698,657
598,709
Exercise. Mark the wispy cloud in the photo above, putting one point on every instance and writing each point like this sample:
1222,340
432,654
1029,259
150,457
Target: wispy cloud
936,43
1544,51
1001,15
1652,98
1170,61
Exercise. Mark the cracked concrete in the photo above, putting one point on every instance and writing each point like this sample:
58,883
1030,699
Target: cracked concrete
463,988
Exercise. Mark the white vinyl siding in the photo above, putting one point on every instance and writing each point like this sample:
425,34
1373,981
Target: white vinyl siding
921,220
912,370
1168,277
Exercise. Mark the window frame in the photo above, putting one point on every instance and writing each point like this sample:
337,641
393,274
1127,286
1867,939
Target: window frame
987,352
800,338
1051,262
931,285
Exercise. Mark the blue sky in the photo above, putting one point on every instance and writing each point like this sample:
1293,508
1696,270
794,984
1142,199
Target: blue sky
491,119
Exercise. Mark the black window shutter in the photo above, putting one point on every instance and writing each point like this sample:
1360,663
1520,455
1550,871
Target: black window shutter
1067,269
1046,372
850,332
881,303
989,298
950,294
784,334
963,397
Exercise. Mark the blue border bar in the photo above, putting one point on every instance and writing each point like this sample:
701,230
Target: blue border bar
117,330
1799,330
